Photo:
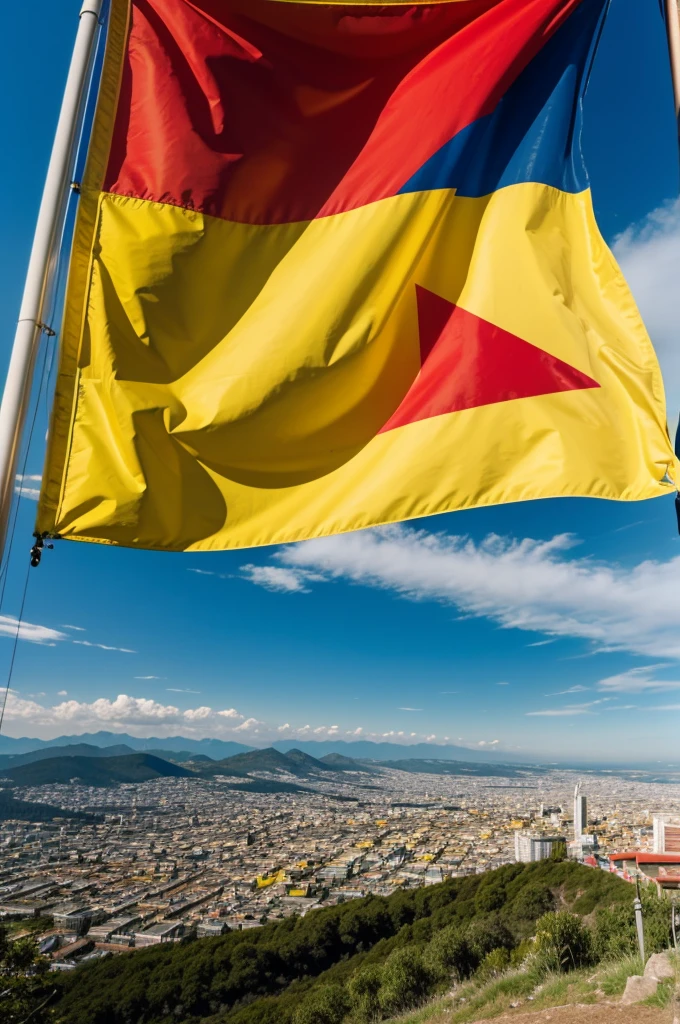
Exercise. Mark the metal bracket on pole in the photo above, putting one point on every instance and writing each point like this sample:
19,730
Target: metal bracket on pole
17,391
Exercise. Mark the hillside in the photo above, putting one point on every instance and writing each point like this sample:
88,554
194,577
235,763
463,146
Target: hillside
71,750
340,762
12,809
295,762
94,771
273,974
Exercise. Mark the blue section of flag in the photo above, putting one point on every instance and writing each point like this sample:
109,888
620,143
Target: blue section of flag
534,134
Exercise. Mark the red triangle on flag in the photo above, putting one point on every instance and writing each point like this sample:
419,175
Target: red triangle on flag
468,362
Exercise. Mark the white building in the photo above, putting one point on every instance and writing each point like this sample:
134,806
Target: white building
530,848
580,812
666,833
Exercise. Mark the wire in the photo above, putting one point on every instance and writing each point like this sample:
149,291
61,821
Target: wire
15,644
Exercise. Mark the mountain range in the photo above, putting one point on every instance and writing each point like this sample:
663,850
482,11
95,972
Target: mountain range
219,749
93,771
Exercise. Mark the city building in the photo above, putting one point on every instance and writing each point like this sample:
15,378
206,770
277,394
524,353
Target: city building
666,833
580,812
530,848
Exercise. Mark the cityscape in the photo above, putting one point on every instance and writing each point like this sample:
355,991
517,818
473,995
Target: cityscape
158,861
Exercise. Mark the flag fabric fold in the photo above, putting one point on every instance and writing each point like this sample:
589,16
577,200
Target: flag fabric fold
336,265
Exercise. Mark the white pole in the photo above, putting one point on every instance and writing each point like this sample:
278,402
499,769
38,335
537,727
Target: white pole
673,26
17,391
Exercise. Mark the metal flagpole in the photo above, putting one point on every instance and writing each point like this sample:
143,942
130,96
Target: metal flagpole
673,28
17,391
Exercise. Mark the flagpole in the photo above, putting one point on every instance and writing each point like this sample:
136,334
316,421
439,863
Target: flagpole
17,391
673,29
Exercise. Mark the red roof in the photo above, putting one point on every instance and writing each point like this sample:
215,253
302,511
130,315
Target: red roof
647,858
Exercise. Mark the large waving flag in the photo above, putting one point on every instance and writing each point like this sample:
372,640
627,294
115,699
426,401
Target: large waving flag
336,265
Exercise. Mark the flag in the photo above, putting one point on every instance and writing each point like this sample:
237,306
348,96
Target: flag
335,266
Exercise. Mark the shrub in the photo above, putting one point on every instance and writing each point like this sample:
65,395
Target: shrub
563,942
405,981
327,1004
490,897
532,902
615,934
449,954
489,933
363,989
494,964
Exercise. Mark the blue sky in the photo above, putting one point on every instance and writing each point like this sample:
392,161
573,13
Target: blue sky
548,628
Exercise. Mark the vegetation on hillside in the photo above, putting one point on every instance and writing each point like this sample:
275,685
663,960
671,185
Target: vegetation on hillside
371,958
26,989
23,810
94,771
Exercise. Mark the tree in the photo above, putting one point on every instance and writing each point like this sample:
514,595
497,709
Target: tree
405,980
25,989
449,955
326,1005
363,990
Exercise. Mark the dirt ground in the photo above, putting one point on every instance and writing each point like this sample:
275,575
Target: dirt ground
601,1013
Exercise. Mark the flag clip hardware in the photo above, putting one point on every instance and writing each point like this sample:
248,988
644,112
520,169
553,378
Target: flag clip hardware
37,549
47,330
75,187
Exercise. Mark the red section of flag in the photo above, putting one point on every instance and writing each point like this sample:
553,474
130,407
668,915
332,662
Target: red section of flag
468,362
296,111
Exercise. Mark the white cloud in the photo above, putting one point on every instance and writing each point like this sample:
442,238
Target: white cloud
559,713
502,684
148,677
230,713
409,709
286,580
488,743
198,714
649,255
250,725
169,689
122,710
23,486
284,728
201,572
29,631
519,584
78,629
103,647
572,689
637,680
62,693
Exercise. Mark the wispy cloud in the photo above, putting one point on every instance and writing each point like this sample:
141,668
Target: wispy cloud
409,709
519,584
78,629
170,689
542,643
570,709
103,647
649,254
572,689
148,677
502,683
283,580
638,680
30,631
23,486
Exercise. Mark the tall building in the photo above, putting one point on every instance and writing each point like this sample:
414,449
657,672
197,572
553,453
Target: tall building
530,848
666,833
580,812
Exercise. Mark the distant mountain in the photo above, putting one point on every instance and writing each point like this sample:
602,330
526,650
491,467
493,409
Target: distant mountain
464,769
340,762
212,747
94,771
306,762
200,759
74,750
363,750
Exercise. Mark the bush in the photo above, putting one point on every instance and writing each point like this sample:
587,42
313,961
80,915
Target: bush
327,1004
532,902
494,964
563,942
490,897
615,934
405,981
489,933
449,954
363,990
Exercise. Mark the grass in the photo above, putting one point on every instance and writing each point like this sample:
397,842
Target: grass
476,1000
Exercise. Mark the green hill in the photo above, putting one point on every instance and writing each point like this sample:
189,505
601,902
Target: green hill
71,750
23,810
465,768
343,957
94,771
294,762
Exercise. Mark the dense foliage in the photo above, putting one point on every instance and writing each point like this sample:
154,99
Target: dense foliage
23,810
369,958
26,991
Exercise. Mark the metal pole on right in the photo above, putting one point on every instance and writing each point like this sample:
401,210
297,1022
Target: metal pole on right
17,393
673,28
639,924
